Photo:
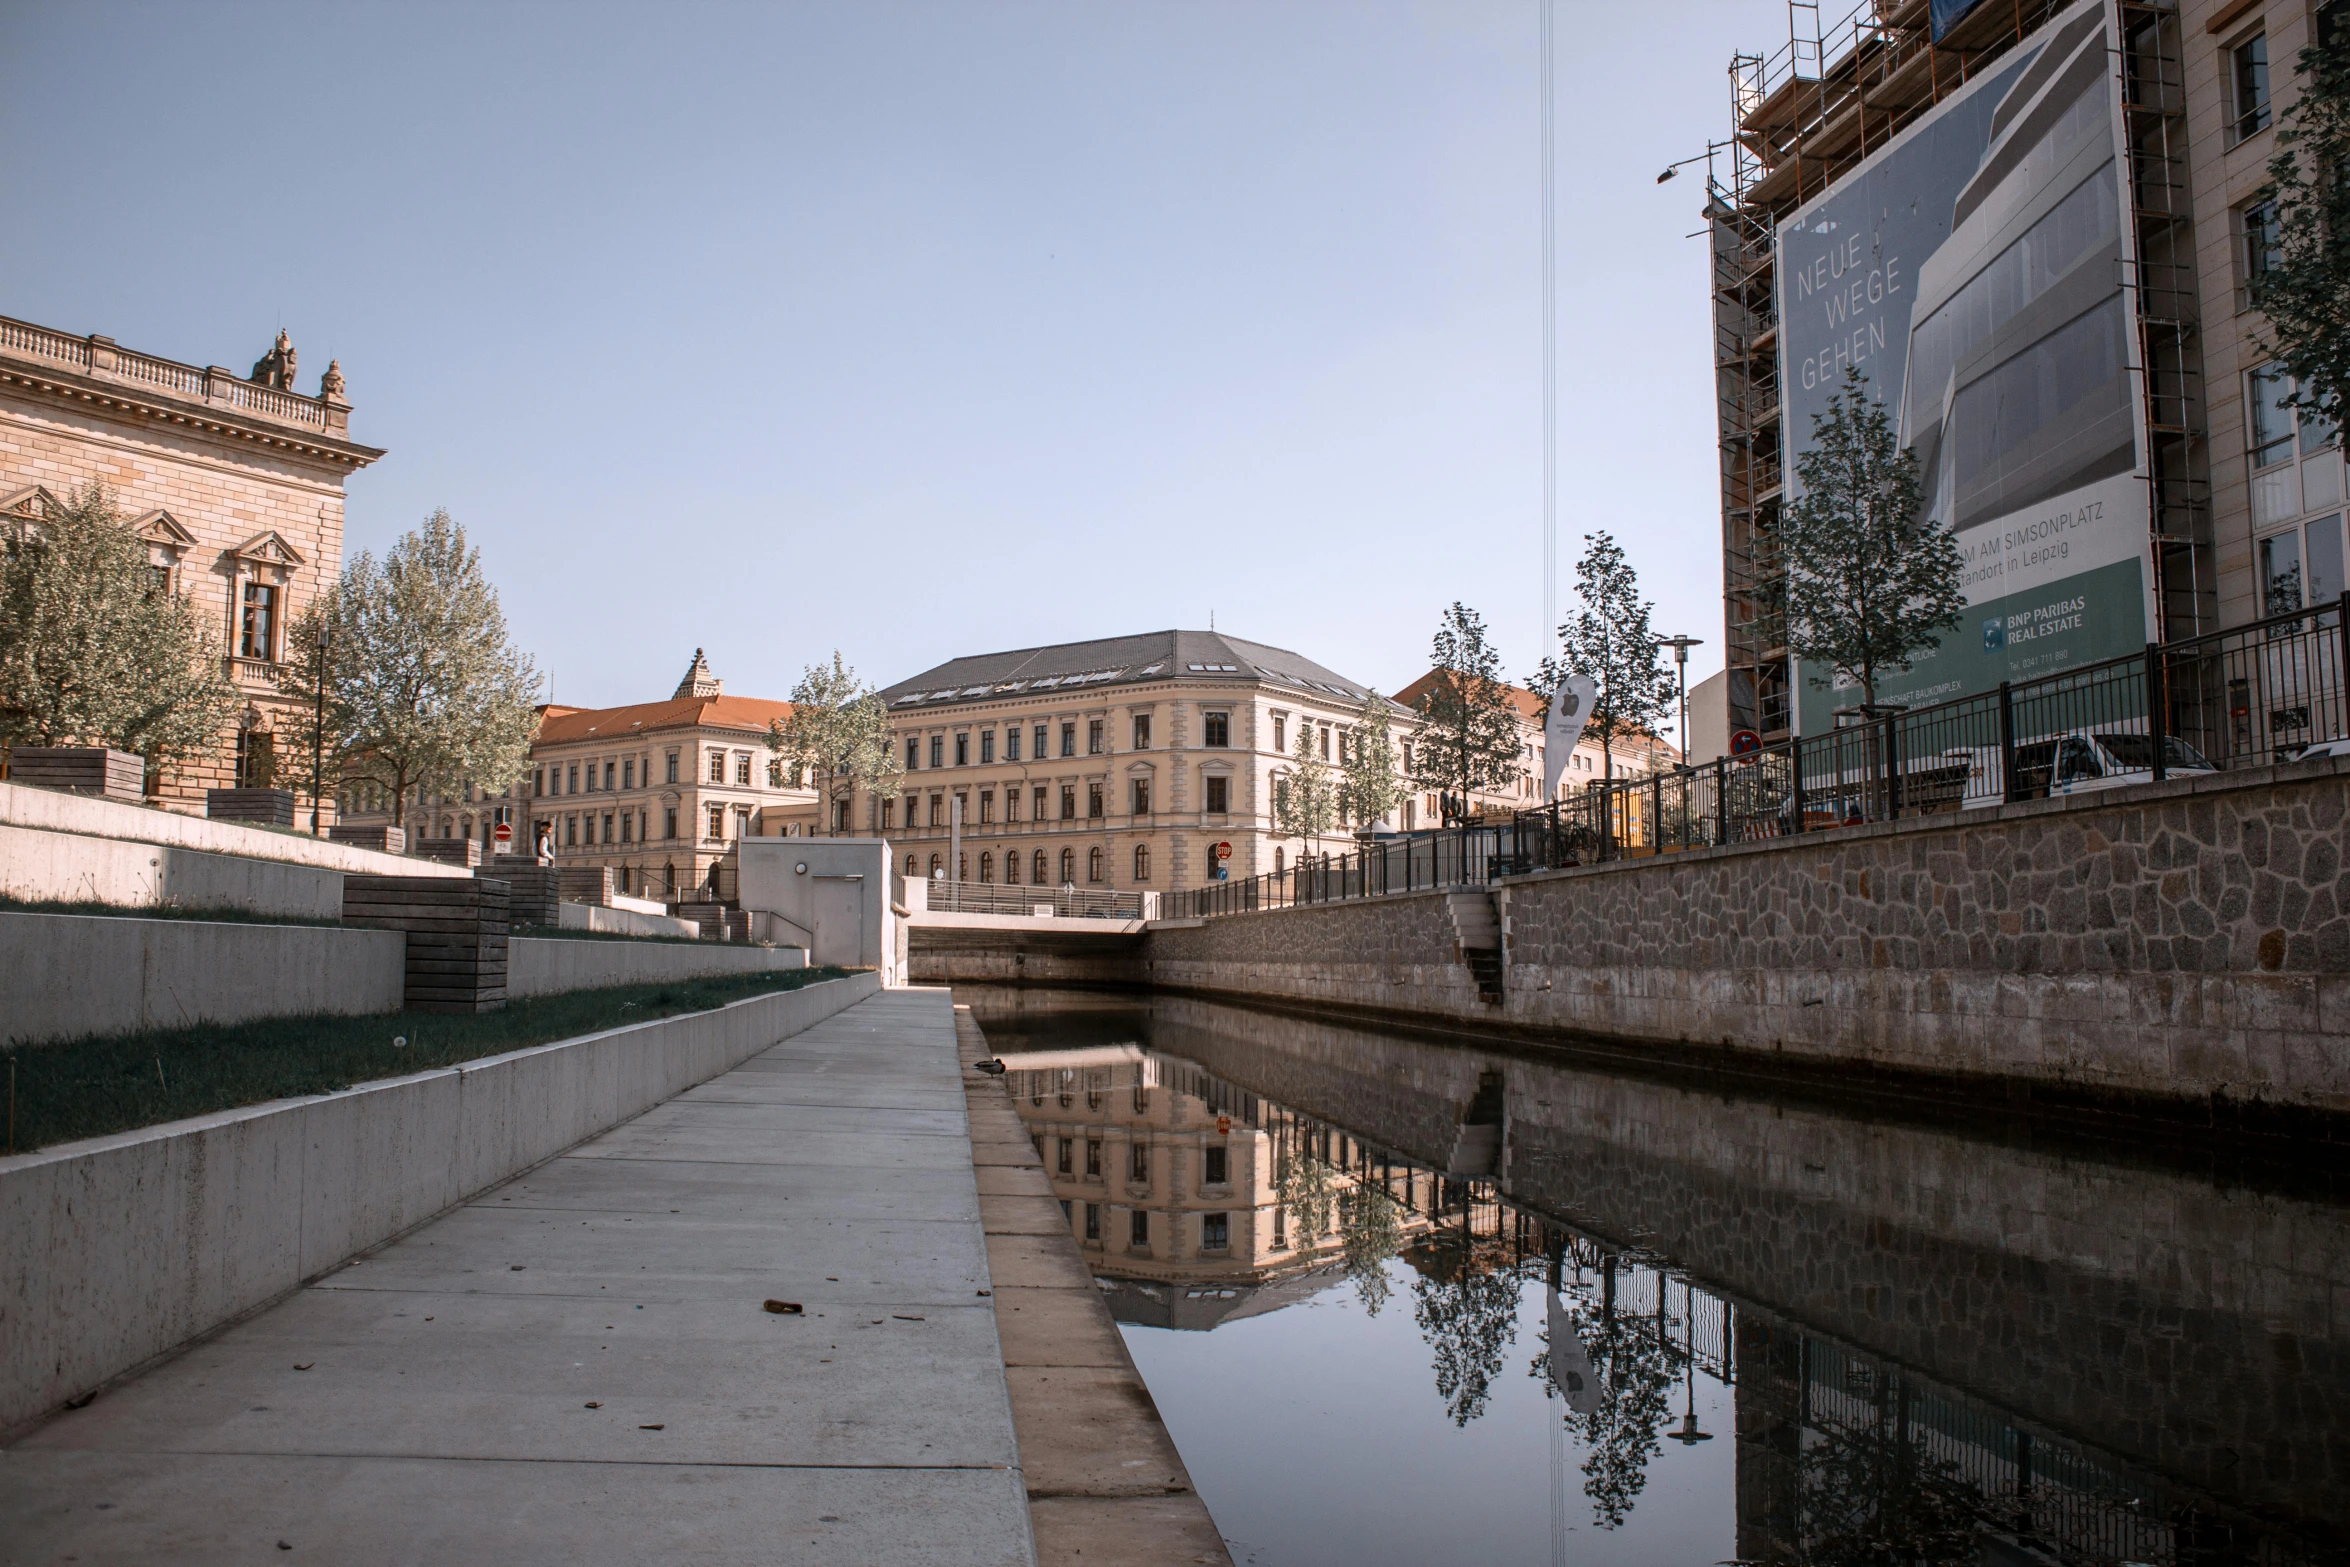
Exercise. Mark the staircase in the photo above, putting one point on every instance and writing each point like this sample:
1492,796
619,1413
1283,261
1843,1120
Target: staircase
1477,928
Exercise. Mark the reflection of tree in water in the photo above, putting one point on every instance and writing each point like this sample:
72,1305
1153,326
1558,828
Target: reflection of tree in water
1636,1367
1466,1303
1302,1186
1870,1498
1372,1222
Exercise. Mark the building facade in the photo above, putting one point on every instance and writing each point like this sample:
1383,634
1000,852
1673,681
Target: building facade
1634,756
661,791
1141,762
235,483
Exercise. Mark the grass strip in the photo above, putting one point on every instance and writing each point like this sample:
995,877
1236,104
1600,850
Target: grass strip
153,911
119,1082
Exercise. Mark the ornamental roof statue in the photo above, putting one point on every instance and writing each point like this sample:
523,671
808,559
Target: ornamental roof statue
699,681
331,383
276,368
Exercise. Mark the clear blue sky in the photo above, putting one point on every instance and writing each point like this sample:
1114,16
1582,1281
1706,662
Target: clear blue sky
922,330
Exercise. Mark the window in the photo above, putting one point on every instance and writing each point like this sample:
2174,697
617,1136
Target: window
672,773
1138,1230
1219,794
1093,737
2260,248
1068,867
1012,804
1036,800
2270,416
1093,802
1142,862
1407,758
1011,867
2280,573
986,746
963,750
538,782
717,821
571,783
1280,733
1325,743
1215,1231
628,773
717,771
938,869
1068,739
1012,744
913,753
669,821
840,817
1061,1165
2248,85
1038,875
938,750
986,808
888,810
571,831
986,867
1068,802
1138,1158
608,827
1281,859
913,866
1216,1167
628,826
938,810
256,759
1096,865
774,775
1217,730
1142,731
611,774
257,630
1141,790
1038,750
1093,1221
1093,1158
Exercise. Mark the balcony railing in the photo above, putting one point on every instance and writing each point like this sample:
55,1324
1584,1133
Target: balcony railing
971,897
100,358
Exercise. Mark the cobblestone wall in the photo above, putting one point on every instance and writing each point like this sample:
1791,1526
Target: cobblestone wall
2187,940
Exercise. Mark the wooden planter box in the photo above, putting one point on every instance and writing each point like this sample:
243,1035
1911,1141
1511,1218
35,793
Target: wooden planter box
388,840
83,769
456,931
449,851
532,888
272,807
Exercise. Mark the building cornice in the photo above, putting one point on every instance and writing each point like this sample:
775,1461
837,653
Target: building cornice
92,372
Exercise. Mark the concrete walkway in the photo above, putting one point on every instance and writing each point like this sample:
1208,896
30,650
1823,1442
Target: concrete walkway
576,1367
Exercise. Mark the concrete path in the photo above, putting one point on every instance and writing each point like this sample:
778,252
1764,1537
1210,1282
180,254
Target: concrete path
576,1367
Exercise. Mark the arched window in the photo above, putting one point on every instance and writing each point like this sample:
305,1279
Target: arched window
1280,860
937,863
1011,867
1068,866
913,866
986,867
1096,865
1142,862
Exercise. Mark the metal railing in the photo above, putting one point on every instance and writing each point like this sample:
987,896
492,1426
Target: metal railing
971,897
2245,697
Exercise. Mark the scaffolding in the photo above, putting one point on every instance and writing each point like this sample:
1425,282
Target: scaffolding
1808,113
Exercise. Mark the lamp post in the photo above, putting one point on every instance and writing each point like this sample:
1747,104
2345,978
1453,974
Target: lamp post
1681,647
326,638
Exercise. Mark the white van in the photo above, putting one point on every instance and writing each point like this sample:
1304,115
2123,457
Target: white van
2079,762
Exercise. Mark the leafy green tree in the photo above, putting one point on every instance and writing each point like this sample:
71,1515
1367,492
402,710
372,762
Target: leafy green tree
1468,737
2305,289
1611,641
1306,798
1870,582
1369,786
423,691
94,648
838,730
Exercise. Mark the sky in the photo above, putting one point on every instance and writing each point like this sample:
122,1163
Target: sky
913,331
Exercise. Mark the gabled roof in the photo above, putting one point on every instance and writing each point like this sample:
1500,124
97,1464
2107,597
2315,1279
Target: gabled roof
743,714
34,501
161,527
269,545
1108,661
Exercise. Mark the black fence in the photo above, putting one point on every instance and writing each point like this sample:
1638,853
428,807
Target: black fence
2246,697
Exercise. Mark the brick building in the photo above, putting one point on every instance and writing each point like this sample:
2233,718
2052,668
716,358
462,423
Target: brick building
235,482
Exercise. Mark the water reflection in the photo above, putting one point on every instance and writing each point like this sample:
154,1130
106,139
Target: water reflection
1752,1332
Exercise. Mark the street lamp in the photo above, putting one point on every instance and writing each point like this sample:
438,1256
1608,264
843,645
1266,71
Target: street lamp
1681,647
326,638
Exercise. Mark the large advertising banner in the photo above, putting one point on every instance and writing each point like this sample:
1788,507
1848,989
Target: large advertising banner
1976,271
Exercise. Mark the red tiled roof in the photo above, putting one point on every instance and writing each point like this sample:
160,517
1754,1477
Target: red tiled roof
748,714
1527,704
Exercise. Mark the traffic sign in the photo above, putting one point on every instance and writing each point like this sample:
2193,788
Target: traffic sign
504,833
1223,1126
1745,743
1223,851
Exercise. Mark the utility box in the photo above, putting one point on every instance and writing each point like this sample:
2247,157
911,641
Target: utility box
831,895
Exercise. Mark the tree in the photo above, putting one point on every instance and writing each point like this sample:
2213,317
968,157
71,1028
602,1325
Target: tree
423,691
839,731
1306,798
1373,1231
1610,640
1369,787
94,649
1468,736
1870,583
2305,289
1467,1311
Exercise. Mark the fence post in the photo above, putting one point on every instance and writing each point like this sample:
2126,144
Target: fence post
2157,720
1795,772
1721,801
2006,743
2342,646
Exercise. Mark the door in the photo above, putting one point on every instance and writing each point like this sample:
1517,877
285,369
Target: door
840,921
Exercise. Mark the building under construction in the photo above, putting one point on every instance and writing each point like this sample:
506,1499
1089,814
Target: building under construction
2183,225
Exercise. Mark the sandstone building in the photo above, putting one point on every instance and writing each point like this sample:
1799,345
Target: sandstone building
1635,756
235,482
1140,762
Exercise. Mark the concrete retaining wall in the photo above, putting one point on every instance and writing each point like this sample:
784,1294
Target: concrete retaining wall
543,965
53,811
40,866
2185,942
121,1248
623,922
65,976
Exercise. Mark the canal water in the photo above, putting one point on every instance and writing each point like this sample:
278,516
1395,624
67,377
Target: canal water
1410,1301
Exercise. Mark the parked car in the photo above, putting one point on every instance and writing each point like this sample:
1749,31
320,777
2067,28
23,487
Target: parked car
2085,761
2310,753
